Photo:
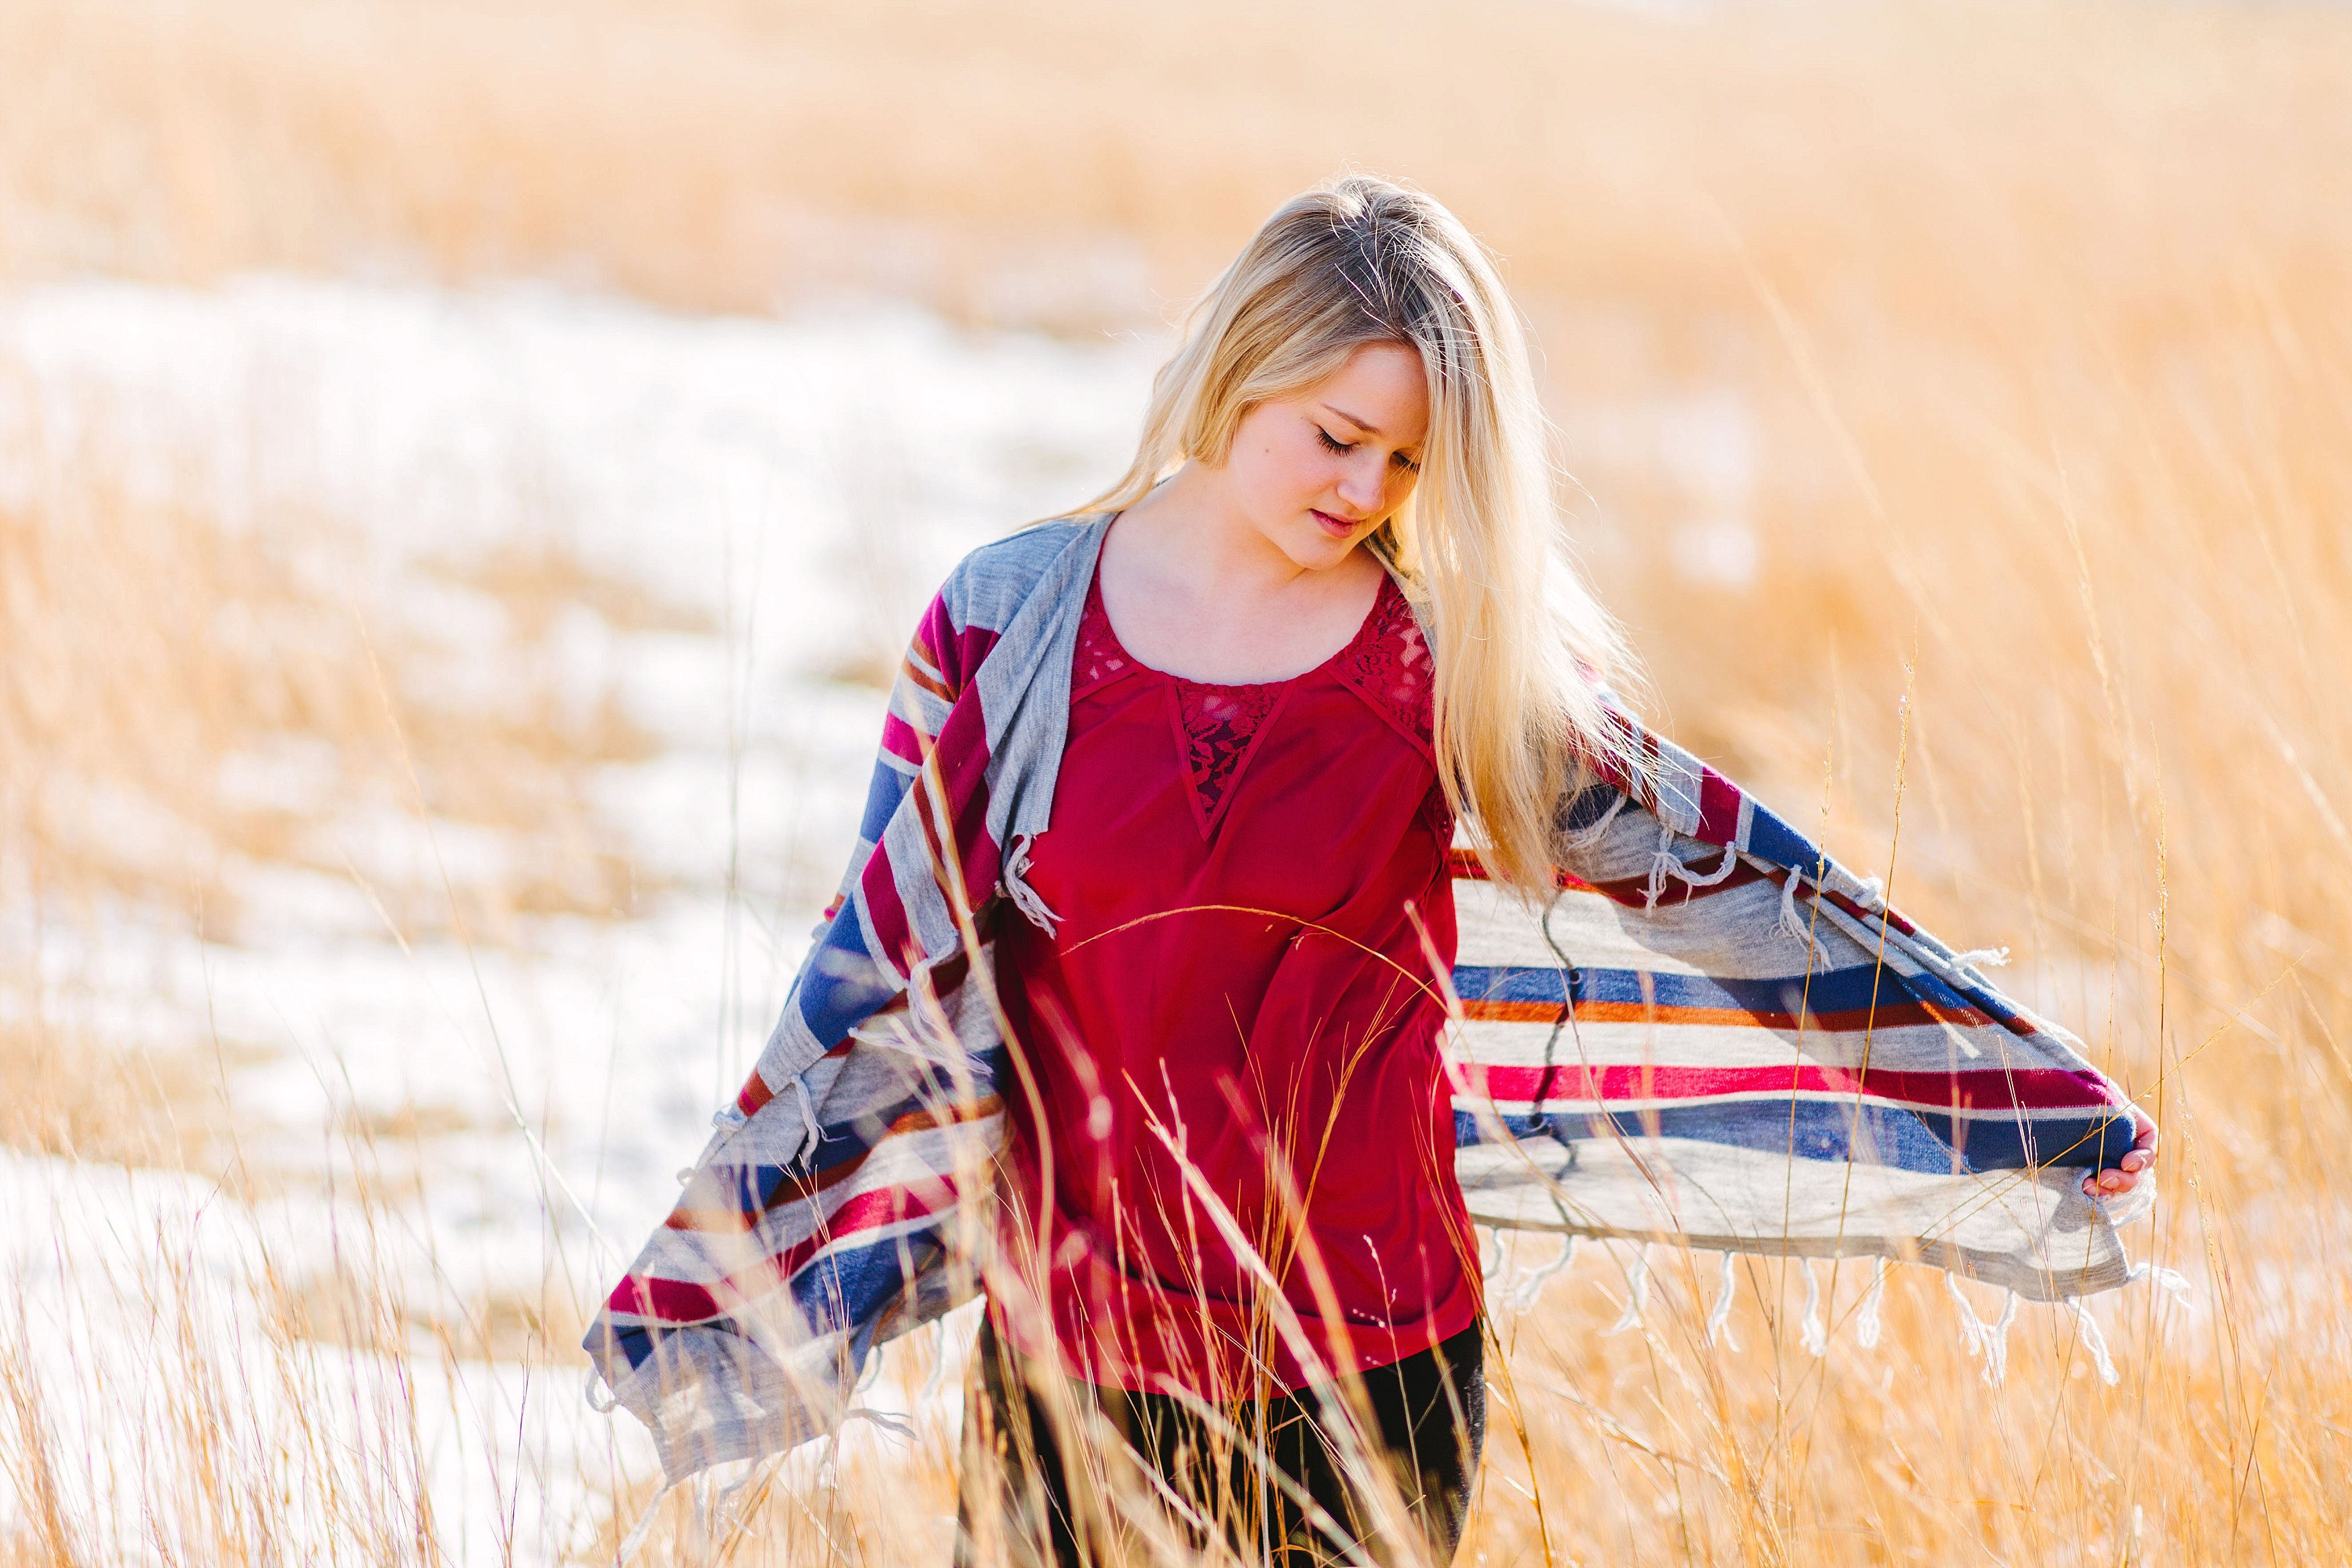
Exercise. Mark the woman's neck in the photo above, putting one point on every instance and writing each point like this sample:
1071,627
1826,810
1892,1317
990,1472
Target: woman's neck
1193,588
1190,531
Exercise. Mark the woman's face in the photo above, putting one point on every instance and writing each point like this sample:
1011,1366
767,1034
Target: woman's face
1318,471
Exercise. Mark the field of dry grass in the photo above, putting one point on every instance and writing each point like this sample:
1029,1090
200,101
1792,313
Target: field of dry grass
2041,321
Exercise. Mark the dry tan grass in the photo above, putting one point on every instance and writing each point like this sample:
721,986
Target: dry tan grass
149,641
76,1094
2040,317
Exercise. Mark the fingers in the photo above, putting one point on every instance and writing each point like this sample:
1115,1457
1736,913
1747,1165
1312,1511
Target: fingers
2117,1180
2124,1174
2140,1156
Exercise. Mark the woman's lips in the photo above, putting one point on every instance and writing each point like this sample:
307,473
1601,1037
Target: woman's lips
1338,527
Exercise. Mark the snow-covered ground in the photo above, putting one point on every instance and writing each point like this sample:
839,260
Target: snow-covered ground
794,488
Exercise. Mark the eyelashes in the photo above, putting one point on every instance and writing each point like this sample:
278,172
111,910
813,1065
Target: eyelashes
1343,447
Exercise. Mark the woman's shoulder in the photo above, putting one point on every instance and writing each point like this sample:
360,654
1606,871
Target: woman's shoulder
994,580
1388,663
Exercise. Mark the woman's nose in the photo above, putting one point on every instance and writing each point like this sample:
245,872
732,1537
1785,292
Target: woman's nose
1364,487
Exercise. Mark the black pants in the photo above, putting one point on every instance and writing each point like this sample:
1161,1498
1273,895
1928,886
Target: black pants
1025,1505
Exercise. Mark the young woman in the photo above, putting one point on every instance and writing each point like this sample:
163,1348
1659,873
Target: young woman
1324,621
1154,896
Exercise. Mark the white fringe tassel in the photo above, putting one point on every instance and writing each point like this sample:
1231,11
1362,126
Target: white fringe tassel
1793,924
1014,877
1586,837
634,1542
812,1137
2170,1282
1666,863
890,1421
1867,1325
1718,1318
599,1401
1532,1283
1638,1295
1981,958
2094,1341
1990,1340
1812,1331
938,1360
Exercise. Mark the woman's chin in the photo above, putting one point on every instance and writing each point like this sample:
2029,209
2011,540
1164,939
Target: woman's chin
1316,549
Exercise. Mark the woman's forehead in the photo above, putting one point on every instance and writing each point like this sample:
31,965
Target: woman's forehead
1381,391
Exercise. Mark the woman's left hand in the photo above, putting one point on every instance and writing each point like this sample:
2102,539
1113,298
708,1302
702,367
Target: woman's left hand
2124,1174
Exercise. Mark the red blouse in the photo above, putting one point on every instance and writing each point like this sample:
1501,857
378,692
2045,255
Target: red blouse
1237,976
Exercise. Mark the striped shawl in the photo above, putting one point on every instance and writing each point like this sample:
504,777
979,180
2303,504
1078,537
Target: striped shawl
1714,1035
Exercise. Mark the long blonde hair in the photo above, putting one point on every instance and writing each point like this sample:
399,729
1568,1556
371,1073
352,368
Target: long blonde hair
1520,641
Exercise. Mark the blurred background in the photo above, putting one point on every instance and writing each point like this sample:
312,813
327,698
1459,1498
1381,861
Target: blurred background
467,466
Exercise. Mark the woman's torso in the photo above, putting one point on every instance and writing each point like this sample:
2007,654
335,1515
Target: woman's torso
1254,901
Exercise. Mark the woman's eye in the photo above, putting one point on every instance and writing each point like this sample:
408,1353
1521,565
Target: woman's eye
1407,464
1330,445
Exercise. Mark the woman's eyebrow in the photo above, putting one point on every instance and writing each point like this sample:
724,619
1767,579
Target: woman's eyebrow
1351,419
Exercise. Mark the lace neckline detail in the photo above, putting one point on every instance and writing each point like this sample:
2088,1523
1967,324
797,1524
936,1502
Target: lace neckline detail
1100,658
1387,662
1391,665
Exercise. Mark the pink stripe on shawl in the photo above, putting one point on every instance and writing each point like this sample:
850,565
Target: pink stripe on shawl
685,1301
1718,807
2032,1089
958,758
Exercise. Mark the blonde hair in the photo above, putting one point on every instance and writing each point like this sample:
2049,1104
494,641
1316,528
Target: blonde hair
1519,642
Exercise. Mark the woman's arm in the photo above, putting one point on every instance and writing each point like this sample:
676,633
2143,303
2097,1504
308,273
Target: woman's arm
865,946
